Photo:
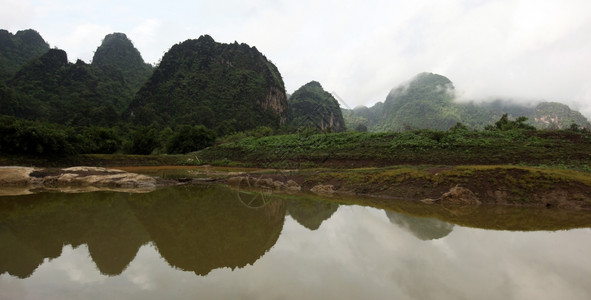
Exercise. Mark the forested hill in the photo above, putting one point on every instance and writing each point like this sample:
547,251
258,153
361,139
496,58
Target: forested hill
17,49
53,90
49,88
118,53
311,106
424,102
428,101
226,87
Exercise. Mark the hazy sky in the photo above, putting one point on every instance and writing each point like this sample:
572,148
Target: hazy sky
529,50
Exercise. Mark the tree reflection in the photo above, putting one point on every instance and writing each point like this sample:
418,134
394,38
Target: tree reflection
195,229
210,229
310,212
422,228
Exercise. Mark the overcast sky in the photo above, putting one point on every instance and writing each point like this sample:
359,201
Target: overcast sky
529,50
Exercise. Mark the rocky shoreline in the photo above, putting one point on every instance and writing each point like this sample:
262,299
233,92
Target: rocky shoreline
27,180
467,185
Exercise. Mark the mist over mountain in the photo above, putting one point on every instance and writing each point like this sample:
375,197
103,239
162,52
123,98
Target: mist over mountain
224,87
428,101
312,106
229,87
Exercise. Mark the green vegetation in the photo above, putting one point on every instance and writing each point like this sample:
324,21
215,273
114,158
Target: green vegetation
224,87
311,106
425,102
428,102
118,53
17,49
204,93
190,138
24,137
52,90
456,146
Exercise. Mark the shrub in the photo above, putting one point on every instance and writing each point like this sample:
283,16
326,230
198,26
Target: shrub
190,138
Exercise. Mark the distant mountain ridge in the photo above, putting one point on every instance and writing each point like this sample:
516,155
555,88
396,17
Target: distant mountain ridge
428,102
225,87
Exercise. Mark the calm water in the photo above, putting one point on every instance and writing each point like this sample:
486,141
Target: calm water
216,243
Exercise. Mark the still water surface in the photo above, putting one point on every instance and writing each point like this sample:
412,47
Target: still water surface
211,242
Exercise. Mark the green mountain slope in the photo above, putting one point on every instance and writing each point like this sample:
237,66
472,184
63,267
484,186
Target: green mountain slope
428,102
53,90
17,49
557,116
425,102
48,88
229,87
117,52
312,106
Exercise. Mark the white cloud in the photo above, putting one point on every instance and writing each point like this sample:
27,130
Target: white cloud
146,35
524,49
15,14
83,41
356,253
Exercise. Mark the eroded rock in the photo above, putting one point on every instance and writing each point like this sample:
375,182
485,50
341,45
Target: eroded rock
323,189
74,177
15,176
456,195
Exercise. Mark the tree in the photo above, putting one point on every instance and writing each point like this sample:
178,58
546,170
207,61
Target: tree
144,140
505,124
190,138
361,128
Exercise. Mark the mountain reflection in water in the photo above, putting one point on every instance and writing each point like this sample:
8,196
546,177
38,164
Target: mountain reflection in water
310,212
423,228
254,245
194,229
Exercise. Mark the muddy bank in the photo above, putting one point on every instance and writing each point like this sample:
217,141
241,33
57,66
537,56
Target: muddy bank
437,185
464,185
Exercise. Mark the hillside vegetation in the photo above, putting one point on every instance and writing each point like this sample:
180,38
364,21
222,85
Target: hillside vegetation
428,101
313,107
204,93
509,142
226,87
17,49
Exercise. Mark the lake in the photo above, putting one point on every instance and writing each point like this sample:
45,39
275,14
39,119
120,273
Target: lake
213,242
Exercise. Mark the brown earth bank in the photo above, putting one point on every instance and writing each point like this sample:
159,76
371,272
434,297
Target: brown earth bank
459,185
443,185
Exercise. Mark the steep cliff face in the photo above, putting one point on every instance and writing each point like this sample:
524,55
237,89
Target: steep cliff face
312,106
228,87
557,116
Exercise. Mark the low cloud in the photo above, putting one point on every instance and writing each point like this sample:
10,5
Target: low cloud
523,49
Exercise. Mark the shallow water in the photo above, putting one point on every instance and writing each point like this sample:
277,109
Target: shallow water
211,242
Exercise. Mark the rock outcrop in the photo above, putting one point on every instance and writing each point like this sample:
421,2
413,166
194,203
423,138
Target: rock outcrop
263,183
456,195
75,179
